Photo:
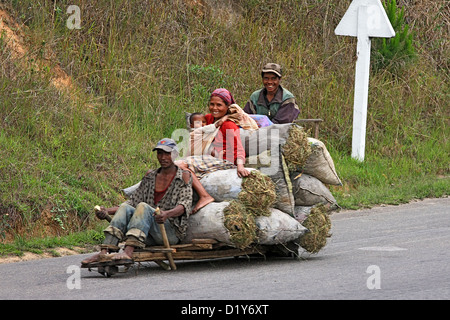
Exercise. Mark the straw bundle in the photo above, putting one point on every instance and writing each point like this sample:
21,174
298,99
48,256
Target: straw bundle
318,223
257,196
241,225
297,148
258,193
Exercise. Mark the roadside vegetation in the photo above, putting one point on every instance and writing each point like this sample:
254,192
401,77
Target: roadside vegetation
135,67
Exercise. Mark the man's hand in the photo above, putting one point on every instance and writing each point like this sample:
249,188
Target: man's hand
101,212
161,217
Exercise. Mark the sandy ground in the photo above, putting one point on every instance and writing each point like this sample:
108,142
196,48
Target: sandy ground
50,253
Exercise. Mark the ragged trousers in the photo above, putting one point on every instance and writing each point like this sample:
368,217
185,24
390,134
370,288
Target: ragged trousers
137,226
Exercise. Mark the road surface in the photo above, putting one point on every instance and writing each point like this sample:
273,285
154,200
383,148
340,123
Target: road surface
390,252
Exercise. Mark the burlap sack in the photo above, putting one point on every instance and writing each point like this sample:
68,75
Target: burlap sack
266,138
208,223
130,190
278,228
320,164
223,185
309,191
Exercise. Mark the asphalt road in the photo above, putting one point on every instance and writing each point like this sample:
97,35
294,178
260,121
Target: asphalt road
391,252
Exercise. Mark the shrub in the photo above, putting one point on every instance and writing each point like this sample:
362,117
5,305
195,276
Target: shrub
395,52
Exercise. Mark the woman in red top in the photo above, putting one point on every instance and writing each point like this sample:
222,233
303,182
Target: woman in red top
226,150
227,143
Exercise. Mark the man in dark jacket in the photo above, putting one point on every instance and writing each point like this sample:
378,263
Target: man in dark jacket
274,101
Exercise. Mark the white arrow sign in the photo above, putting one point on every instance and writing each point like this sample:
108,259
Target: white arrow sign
363,19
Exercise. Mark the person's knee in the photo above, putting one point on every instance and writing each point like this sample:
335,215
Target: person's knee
144,211
142,206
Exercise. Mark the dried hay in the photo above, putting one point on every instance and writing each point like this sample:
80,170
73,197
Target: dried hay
257,196
297,148
241,225
258,193
318,223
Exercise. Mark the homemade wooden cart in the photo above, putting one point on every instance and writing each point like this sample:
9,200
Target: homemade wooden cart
197,249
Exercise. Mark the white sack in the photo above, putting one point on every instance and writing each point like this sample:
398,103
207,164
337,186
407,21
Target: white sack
278,228
309,191
265,138
320,164
223,185
302,212
130,190
208,223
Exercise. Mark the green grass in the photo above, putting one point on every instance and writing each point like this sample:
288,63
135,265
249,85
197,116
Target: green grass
138,66
21,244
384,181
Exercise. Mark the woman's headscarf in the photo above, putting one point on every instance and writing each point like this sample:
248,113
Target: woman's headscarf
225,95
236,114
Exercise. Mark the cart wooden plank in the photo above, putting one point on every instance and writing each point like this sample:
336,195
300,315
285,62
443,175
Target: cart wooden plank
198,249
178,247
142,256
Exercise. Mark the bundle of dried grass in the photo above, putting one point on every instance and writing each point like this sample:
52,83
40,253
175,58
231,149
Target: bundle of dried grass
318,223
241,225
297,148
258,193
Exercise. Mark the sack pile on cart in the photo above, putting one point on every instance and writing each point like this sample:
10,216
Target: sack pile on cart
285,200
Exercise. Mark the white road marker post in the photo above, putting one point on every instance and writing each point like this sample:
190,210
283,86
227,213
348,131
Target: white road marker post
363,19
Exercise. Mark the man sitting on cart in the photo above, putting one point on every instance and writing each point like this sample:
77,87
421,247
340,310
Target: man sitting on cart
135,221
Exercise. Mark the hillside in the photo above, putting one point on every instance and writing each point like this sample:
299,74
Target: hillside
82,108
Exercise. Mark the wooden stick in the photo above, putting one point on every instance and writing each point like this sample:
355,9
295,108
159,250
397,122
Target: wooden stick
166,243
162,264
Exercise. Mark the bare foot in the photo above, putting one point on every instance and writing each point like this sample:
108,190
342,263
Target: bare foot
126,254
203,201
94,258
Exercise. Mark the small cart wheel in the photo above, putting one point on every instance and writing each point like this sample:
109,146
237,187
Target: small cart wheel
108,271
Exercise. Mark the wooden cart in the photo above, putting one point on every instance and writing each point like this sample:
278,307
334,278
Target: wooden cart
198,249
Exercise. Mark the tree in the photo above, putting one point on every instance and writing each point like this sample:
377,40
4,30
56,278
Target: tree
396,52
